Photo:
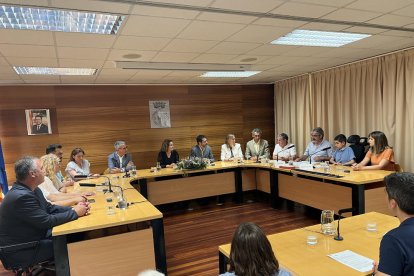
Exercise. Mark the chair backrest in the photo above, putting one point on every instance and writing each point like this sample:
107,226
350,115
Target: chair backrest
397,168
354,139
359,152
8,255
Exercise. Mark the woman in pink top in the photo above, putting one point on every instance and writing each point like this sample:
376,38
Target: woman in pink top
379,154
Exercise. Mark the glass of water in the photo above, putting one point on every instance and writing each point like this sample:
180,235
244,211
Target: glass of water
328,222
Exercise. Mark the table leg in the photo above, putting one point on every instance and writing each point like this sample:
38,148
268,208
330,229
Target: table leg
358,199
238,181
274,189
143,187
159,245
60,248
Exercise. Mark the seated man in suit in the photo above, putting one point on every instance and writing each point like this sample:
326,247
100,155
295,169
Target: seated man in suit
202,149
119,161
39,127
397,246
26,216
257,147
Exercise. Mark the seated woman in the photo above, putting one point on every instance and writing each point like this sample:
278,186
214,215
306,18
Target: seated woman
78,165
379,154
168,156
251,253
50,164
231,150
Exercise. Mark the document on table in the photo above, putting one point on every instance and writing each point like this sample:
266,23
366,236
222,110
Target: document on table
353,260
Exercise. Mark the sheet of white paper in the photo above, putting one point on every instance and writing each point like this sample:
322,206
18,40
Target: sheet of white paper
353,260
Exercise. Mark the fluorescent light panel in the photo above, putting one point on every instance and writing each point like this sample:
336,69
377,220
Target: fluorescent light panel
39,19
54,71
226,74
318,38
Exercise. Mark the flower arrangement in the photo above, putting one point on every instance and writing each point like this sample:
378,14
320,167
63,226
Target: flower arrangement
192,163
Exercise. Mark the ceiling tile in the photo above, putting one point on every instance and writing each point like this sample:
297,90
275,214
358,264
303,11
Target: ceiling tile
259,34
82,53
351,15
233,48
189,46
398,33
118,55
213,58
37,62
384,6
279,22
392,20
209,30
102,6
280,60
7,70
364,30
198,3
151,74
372,42
270,49
40,79
184,74
3,61
406,11
127,73
11,81
81,63
223,17
247,5
84,40
77,79
304,51
239,59
141,43
305,10
26,37
174,57
164,12
14,50
336,3
26,2
324,27
153,26
12,76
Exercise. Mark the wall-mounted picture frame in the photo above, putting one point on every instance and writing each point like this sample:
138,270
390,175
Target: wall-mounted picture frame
38,121
160,114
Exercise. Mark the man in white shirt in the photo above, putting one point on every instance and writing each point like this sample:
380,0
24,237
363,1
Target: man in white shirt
284,150
120,161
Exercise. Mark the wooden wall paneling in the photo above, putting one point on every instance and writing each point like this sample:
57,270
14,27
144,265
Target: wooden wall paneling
27,97
12,122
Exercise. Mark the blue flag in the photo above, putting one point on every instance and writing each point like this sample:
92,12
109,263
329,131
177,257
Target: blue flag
3,177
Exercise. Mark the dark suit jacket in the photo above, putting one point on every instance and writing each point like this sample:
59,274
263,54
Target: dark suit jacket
114,162
43,129
207,152
26,216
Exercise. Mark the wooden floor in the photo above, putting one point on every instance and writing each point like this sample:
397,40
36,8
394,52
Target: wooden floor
192,237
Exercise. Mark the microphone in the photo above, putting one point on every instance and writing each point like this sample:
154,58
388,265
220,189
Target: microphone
338,236
122,203
83,176
310,155
277,156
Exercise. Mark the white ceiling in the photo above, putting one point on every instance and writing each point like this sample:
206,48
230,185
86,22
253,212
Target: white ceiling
205,31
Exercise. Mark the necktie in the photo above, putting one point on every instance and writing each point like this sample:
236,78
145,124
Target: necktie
38,127
231,152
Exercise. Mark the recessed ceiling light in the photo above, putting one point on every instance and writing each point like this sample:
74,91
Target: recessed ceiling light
319,38
132,56
40,19
54,71
248,59
227,74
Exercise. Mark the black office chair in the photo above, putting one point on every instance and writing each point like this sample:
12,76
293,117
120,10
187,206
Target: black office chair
23,267
358,145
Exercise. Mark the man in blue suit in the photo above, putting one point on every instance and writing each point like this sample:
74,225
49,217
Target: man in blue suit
26,216
119,161
202,149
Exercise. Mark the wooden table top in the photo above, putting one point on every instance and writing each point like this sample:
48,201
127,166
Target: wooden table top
142,210
353,177
294,254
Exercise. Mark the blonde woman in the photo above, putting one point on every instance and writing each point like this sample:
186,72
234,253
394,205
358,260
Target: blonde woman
51,166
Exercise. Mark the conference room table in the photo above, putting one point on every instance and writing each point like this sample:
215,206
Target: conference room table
298,257
361,190
123,243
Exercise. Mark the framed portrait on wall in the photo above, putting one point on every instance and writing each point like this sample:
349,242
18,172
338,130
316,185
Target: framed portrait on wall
38,121
160,114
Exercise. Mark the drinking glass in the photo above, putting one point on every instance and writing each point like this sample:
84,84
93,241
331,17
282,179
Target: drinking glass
110,203
158,166
133,170
328,222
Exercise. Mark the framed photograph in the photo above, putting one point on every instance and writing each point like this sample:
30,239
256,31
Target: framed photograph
160,114
38,121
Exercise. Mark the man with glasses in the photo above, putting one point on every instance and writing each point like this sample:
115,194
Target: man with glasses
119,161
318,149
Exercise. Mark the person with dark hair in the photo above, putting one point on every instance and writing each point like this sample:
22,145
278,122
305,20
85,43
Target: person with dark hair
56,149
168,156
77,164
231,150
251,253
26,216
120,160
343,155
318,149
39,127
379,154
397,246
281,151
257,147
202,149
